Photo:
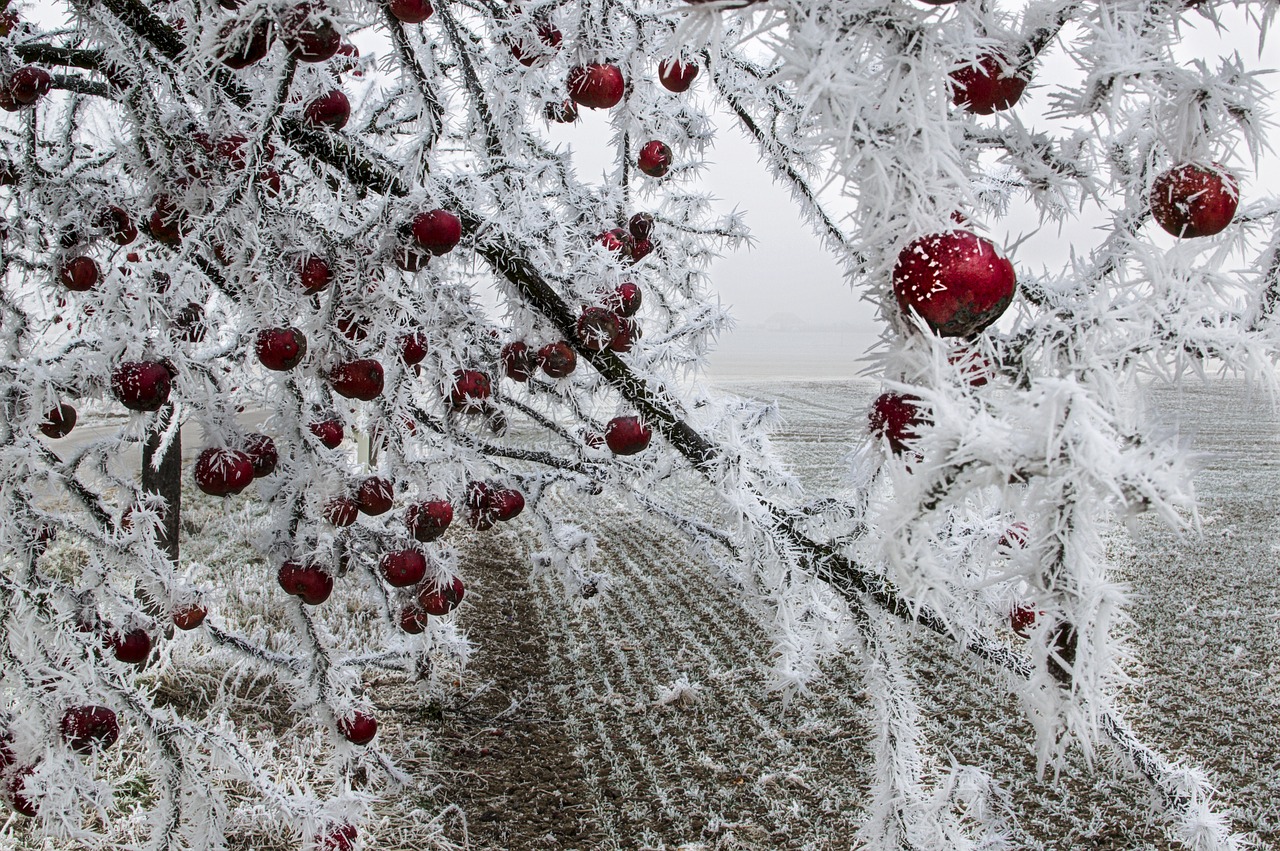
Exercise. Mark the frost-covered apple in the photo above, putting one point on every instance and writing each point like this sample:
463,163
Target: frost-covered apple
1022,618
280,349
990,84
189,616
564,112
413,619
167,221
329,432
314,274
358,379
359,729
506,504
223,472
427,521
59,421
625,299
894,417
403,568
341,511
437,231
529,52
141,385
627,435
118,225
308,32
375,495
596,86
243,43
655,158
441,597
469,390
410,11
1192,200
558,359
597,326
310,582
28,84
89,728
628,333
331,109
956,281
677,76
132,647
518,361
641,225
262,453
413,348
79,274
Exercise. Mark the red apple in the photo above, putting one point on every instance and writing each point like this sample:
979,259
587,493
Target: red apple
328,432
59,421
413,619
440,598
530,51
22,801
28,84
557,359
427,521
354,328
1022,618
269,179
341,838
309,33
132,647
991,84
413,348
141,385
506,504
596,86
437,231
564,112
894,417
627,435
655,158
86,729
312,583
375,495
8,23
596,328
410,11
641,225
357,379
469,391
624,300
244,43
189,616
359,729
331,109
341,511
617,241
314,274
118,224
262,453
1016,536
518,361
167,222
640,249
955,280
188,324
222,472
403,568
281,349
350,63
1191,200
628,333
79,274
677,76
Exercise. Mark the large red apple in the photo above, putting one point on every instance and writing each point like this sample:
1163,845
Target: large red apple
375,495
59,422
328,432
331,109
518,361
1192,200
564,112
79,274
624,300
132,647
86,729
596,328
441,597
359,729
427,521
993,83
141,385
506,504
118,225
627,435
222,472
403,568
28,84
309,33
413,619
531,51
410,11
189,616
281,349
956,281
167,221
558,360
262,453
596,86
314,274
894,417
357,379
22,801
311,582
469,391
655,158
641,225
341,511
437,231
628,333
677,76
413,348
1022,618
244,43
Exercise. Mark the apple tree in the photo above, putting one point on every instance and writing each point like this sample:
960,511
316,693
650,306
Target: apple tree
222,221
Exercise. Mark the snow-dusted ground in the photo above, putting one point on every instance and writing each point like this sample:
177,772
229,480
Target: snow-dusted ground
643,720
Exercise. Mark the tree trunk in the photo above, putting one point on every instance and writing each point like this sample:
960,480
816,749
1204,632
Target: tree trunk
165,479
